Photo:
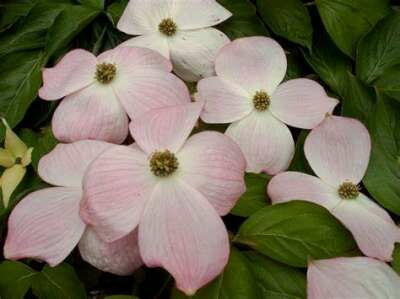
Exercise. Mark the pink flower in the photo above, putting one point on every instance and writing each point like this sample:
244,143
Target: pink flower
338,151
173,189
179,30
247,93
351,278
46,224
100,92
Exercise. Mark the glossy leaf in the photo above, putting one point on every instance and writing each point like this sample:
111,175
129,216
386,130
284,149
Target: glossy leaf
389,82
15,279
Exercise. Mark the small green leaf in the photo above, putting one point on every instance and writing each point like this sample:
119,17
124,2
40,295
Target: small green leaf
15,279
294,231
389,82
288,18
299,162
396,258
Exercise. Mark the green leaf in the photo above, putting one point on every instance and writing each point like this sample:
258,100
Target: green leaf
294,231
276,280
120,297
396,258
288,18
96,4
236,282
255,197
347,21
12,10
115,10
244,21
389,82
379,50
299,162
382,179
60,282
15,279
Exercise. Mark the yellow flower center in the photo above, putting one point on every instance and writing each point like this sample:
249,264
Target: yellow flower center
163,163
261,100
348,190
167,27
105,72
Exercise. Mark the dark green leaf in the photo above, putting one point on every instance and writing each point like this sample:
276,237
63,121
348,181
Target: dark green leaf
120,297
96,4
294,231
347,21
389,82
299,162
255,197
115,10
396,258
379,50
288,18
15,279
12,10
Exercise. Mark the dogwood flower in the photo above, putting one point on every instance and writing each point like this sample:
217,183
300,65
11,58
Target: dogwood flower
179,30
173,190
15,157
46,224
100,92
351,278
246,92
338,151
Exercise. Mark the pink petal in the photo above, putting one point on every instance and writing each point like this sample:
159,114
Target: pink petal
91,113
225,102
193,52
116,187
45,225
214,165
203,13
338,150
265,141
181,232
351,278
170,126
66,164
151,41
74,71
255,63
301,103
149,90
120,257
372,227
290,185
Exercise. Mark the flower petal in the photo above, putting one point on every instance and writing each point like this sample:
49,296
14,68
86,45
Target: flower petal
170,127
198,14
116,187
213,164
338,150
75,70
225,102
372,227
265,141
120,257
255,63
301,103
149,90
66,164
10,180
290,185
174,233
193,52
6,158
351,278
13,143
153,41
91,113
45,225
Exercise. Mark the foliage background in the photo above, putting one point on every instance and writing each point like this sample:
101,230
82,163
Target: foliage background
351,47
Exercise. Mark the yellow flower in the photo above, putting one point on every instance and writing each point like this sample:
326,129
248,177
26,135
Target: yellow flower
15,157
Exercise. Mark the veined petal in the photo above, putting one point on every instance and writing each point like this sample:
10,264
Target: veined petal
75,70
193,52
225,102
338,150
213,164
154,41
6,158
45,225
116,187
373,229
265,141
170,127
255,63
290,185
175,233
301,103
120,257
13,143
351,278
66,164
10,180
27,158
91,113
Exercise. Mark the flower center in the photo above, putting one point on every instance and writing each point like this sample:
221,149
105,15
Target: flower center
18,160
105,72
261,100
167,27
163,163
348,190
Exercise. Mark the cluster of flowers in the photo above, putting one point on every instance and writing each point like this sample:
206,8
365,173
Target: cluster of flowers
158,201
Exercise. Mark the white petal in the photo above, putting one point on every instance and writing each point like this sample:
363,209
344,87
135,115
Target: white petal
154,41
